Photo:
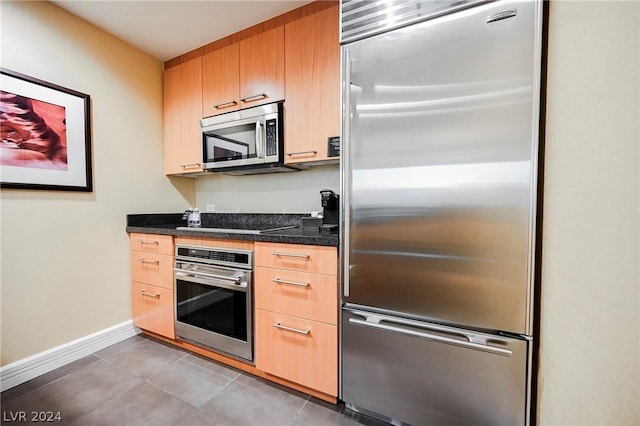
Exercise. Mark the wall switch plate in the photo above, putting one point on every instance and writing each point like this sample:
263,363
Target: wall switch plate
210,207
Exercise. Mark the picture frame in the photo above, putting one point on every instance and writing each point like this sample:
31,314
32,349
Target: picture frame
45,134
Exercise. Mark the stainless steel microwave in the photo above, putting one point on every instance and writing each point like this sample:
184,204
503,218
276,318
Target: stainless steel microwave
249,141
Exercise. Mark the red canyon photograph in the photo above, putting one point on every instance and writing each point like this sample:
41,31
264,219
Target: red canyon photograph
33,133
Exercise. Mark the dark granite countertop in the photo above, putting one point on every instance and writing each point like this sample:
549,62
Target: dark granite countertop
167,224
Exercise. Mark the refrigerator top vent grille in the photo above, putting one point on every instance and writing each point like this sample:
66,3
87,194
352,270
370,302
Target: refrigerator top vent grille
364,18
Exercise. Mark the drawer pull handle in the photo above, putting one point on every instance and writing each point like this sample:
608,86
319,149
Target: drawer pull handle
155,296
254,98
154,262
295,330
190,166
291,154
149,242
300,255
295,283
225,105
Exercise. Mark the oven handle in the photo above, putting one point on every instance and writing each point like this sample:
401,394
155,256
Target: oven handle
211,280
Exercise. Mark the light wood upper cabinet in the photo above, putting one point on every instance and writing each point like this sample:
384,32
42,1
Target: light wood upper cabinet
312,83
221,81
262,69
182,114
244,74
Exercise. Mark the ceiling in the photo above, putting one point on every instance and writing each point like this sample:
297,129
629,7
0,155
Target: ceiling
166,29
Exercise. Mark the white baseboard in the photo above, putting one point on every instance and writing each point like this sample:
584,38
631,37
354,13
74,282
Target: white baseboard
36,365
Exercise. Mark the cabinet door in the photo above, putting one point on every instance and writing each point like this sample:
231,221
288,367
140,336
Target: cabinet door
262,68
150,243
301,294
312,82
182,114
152,309
221,81
151,268
297,257
302,351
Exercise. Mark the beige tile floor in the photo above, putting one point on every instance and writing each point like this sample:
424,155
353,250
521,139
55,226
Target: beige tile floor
141,381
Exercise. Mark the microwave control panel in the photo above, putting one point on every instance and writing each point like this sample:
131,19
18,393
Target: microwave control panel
271,131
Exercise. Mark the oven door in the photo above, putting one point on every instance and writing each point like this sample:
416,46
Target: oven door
214,308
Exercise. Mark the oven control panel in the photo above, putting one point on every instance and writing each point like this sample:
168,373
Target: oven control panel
216,256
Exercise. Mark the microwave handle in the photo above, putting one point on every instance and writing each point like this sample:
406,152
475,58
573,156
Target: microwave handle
259,140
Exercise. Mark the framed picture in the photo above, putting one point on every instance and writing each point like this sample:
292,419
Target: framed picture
46,135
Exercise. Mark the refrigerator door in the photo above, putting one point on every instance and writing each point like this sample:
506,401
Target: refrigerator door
423,374
439,167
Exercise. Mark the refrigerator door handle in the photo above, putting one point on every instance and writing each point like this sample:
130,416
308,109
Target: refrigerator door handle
346,171
473,341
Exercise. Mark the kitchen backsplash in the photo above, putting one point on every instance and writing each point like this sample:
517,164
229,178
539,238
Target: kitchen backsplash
295,192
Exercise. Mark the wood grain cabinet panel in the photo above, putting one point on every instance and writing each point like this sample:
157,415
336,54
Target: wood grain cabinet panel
160,244
182,114
221,81
262,68
152,309
296,295
152,262
297,257
150,268
303,351
312,83
300,294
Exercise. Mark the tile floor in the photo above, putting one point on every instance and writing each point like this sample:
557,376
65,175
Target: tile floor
141,381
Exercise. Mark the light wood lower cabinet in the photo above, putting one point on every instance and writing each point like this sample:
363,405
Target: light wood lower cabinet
152,262
298,349
296,295
297,257
300,294
152,309
296,307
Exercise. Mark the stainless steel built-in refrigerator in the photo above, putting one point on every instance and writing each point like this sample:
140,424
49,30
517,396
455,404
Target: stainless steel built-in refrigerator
439,181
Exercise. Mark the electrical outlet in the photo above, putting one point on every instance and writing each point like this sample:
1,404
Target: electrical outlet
211,207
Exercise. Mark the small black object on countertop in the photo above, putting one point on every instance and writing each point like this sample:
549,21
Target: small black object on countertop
268,227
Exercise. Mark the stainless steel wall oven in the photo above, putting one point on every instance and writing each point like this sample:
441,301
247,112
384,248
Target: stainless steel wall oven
214,298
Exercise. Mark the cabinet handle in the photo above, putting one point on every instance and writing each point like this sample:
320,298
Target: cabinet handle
143,293
155,262
296,283
291,154
300,255
225,105
254,98
149,242
295,330
190,166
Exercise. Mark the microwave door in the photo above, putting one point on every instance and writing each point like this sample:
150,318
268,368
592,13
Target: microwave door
229,149
232,145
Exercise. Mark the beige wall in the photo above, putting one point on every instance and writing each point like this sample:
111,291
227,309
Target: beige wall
65,265
295,192
590,356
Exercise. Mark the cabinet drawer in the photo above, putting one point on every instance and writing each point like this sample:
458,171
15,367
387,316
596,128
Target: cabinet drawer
152,309
150,268
161,244
305,352
317,259
301,294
